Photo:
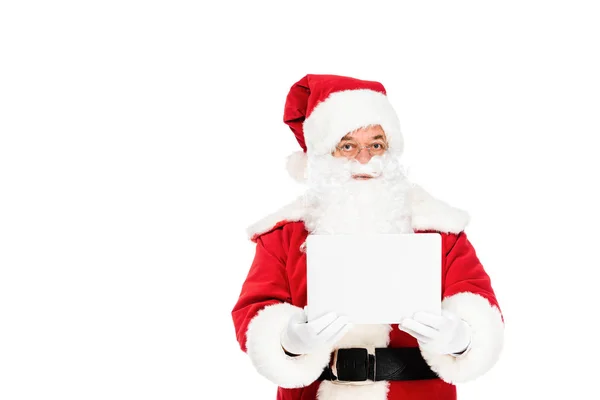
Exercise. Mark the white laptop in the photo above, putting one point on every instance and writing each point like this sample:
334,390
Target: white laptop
373,279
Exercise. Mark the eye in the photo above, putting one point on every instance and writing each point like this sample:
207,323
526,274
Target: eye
348,147
378,147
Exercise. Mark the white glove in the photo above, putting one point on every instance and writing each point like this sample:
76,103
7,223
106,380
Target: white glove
302,337
442,334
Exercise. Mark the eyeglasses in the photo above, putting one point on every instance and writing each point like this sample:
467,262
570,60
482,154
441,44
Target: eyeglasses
351,149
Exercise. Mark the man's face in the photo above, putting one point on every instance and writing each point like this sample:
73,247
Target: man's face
361,145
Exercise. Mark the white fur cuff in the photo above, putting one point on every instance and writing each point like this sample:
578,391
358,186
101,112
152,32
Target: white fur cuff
487,338
264,349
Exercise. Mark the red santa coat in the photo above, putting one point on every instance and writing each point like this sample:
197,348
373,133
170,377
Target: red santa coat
276,287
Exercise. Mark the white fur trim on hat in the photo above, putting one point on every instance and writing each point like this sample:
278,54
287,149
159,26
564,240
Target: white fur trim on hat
487,339
296,166
345,111
263,342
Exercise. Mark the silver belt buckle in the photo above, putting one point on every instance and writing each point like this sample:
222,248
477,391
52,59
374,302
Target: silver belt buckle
334,365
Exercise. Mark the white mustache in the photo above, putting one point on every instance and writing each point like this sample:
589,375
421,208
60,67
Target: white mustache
373,168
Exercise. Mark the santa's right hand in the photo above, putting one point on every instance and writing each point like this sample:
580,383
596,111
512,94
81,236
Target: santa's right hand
303,337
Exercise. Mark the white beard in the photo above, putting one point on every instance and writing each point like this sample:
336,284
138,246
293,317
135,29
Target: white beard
339,204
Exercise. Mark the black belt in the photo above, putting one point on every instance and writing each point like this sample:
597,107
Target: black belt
387,364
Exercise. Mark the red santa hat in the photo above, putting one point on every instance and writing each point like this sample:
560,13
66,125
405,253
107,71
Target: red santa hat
321,109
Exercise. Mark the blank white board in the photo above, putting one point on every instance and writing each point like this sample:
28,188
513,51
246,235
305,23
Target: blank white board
373,279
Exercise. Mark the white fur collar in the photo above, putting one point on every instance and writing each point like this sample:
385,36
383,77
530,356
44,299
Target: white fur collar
428,213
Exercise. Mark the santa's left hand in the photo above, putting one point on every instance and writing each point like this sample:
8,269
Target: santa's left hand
442,334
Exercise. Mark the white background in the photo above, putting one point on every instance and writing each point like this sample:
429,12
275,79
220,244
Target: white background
139,139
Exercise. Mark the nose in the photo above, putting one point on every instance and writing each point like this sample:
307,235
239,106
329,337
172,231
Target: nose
363,157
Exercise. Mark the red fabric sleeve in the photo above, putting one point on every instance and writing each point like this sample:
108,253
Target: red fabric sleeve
265,284
463,271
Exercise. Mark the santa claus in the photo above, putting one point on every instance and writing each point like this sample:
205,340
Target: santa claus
351,141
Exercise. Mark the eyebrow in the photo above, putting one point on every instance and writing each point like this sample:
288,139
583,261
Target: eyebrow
351,138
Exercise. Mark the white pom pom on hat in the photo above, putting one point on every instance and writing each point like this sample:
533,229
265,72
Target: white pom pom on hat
296,166
322,109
